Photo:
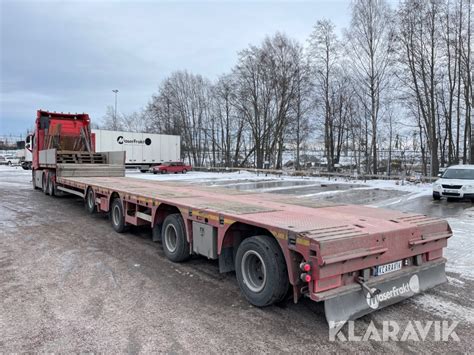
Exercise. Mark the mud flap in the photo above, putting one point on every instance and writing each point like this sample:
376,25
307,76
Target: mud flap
358,303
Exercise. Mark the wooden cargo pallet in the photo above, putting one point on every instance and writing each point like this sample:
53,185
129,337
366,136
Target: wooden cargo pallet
81,158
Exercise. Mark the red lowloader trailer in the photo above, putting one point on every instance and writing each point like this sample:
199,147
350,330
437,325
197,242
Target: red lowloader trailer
355,259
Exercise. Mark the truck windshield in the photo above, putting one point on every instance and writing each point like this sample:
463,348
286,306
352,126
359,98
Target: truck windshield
465,174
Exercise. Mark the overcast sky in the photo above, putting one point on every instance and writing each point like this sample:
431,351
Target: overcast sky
69,55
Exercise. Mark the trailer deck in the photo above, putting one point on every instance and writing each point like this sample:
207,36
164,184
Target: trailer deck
319,221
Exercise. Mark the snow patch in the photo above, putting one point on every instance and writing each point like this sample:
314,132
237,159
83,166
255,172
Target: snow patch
444,308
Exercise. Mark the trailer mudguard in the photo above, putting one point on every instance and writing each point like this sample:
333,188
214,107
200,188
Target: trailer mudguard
402,285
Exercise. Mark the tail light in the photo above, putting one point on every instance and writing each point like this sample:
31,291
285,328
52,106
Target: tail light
306,267
305,277
306,274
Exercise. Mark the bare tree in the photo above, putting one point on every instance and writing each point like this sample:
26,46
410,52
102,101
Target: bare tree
324,53
369,42
419,36
266,78
111,121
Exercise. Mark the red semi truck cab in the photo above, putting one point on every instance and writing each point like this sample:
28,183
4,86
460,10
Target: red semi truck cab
62,131
63,145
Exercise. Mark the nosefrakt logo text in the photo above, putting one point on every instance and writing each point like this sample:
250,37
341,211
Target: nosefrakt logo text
122,140
413,285
396,331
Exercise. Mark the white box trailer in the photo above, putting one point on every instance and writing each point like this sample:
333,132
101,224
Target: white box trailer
142,150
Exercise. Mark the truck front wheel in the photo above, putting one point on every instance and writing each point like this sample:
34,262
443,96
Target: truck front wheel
261,271
117,216
173,238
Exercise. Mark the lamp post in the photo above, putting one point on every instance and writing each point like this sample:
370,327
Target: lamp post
115,91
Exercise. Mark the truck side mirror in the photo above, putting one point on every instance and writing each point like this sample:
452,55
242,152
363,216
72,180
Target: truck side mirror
29,142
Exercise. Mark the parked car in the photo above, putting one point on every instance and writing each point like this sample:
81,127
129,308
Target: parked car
9,160
171,167
457,181
12,160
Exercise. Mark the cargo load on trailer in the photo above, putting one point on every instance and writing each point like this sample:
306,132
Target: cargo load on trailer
355,259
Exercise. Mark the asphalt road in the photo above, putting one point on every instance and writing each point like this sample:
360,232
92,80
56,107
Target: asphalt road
70,283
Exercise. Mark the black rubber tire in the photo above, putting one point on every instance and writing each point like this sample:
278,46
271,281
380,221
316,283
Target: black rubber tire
155,172
89,201
51,185
276,285
184,171
181,250
45,181
143,171
33,179
117,216
436,197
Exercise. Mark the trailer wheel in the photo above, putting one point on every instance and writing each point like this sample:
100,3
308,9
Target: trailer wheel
261,271
45,182
90,201
117,216
173,237
51,185
33,177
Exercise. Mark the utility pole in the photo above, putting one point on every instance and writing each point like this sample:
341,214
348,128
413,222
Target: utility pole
115,91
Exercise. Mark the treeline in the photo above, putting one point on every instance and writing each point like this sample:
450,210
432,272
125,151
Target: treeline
396,79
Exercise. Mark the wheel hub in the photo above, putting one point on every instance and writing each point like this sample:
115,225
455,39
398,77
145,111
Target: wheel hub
254,271
171,239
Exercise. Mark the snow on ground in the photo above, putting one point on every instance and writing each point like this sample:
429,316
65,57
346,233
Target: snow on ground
199,176
460,251
417,189
444,308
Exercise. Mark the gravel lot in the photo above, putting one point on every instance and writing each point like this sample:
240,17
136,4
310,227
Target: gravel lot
70,283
